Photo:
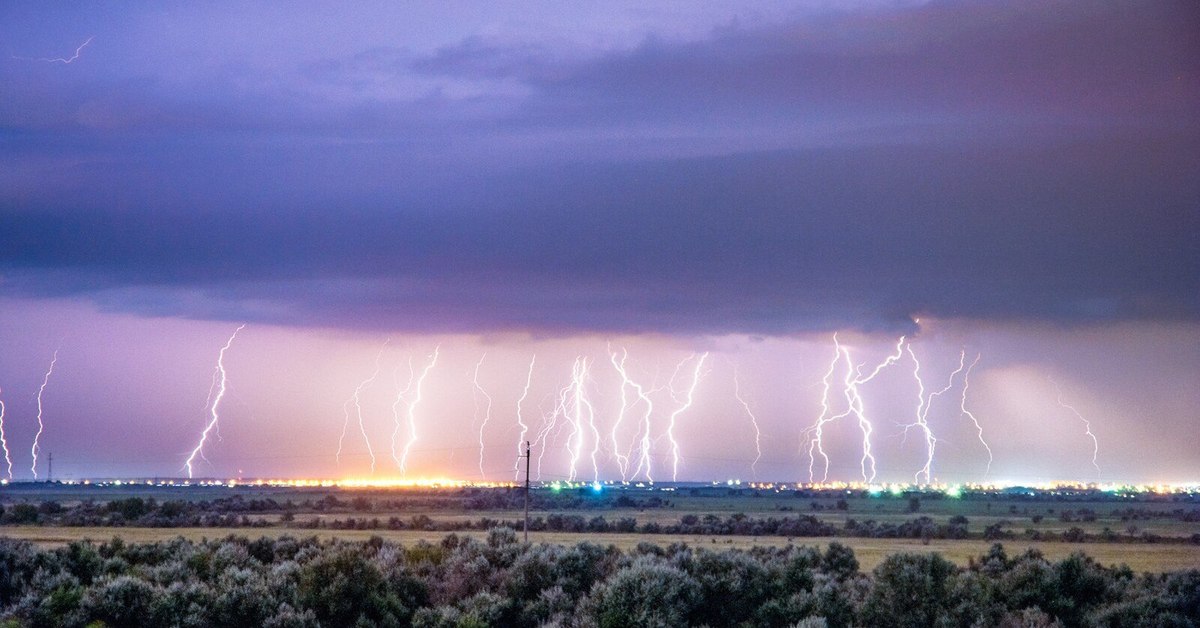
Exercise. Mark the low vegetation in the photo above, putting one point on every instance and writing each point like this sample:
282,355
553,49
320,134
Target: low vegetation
498,581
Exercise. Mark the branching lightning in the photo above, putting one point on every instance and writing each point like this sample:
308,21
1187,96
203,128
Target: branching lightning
41,426
412,411
924,403
1087,426
622,460
214,416
737,392
62,60
521,420
4,442
854,405
963,407
356,399
549,421
580,409
689,398
487,412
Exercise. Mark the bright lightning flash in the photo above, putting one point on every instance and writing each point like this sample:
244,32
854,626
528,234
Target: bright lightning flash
854,405
487,416
214,416
356,399
4,442
41,426
689,398
412,411
737,392
521,419
1087,425
963,407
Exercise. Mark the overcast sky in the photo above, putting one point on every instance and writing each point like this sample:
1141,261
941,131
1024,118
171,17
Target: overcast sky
546,178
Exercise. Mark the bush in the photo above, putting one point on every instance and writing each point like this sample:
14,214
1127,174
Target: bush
646,593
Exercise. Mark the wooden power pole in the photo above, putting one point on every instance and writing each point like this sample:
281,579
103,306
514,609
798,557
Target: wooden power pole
527,491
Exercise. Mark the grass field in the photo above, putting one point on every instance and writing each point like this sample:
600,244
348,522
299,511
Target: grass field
1139,557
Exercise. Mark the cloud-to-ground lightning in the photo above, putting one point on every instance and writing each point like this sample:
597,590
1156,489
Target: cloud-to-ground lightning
816,433
581,409
4,441
689,399
62,60
1087,425
737,392
412,411
214,415
963,407
549,421
924,403
487,416
521,419
854,405
622,459
356,399
930,440
41,426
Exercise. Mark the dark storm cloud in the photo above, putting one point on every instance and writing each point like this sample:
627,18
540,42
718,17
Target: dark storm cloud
990,161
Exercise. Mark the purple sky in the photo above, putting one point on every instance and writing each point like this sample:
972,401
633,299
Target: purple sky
744,179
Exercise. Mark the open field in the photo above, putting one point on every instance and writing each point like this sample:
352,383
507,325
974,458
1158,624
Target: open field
1150,558
1118,528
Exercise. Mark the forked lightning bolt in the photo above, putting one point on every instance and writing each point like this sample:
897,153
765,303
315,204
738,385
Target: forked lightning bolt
487,412
1086,424
689,398
854,405
215,417
924,403
963,407
737,392
41,426
521,420
412,411
4,441
356,399
622,459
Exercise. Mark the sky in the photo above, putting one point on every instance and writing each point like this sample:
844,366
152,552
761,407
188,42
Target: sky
560,182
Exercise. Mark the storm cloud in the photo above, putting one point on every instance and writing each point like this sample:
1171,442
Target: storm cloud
845,168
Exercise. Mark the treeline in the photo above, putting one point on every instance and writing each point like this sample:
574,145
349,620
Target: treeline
138,512
499,581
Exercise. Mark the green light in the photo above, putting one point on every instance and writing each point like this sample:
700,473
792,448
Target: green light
954,492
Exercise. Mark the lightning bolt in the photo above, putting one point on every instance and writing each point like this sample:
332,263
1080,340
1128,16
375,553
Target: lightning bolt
816,443
579,405
854,405
488,413
923,411
412,411
521,419
737,392
356,399
41,426
689,399
963,407
1087,426
622,460
214,416
4,441
61,60
549,421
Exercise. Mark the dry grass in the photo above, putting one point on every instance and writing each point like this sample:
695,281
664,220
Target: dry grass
1140,557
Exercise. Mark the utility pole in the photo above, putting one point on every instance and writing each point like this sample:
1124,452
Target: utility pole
50,469
527,491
